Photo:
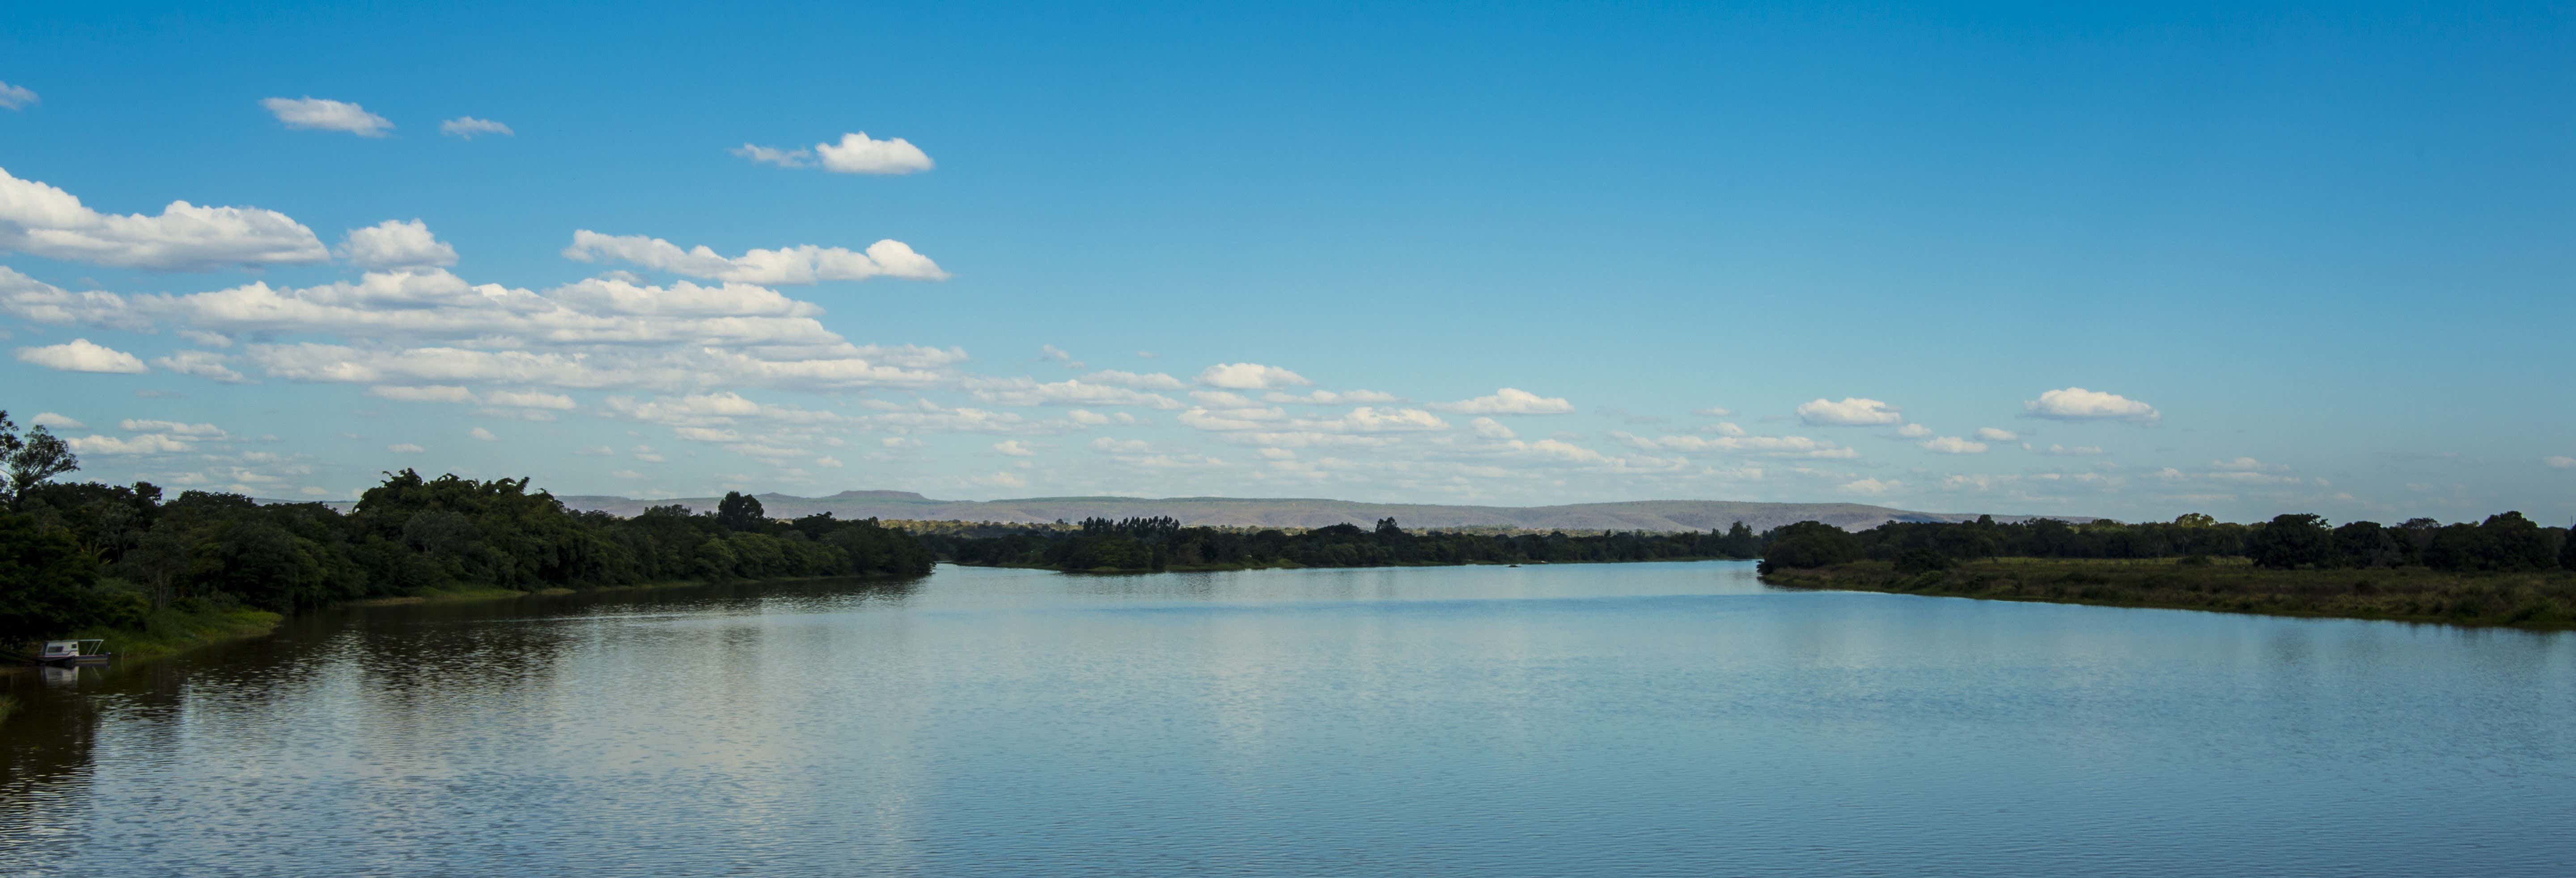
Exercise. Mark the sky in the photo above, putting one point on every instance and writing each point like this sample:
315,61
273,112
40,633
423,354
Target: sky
2241,259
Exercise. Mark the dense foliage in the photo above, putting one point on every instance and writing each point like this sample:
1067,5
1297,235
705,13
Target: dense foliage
2502,543
1162,543
77,555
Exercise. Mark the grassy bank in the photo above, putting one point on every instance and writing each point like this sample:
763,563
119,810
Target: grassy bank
179,628
2544,600
1284,564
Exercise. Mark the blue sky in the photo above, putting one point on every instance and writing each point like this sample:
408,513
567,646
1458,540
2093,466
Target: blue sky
2294,258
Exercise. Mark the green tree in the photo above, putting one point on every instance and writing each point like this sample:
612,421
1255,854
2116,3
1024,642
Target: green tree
2292,541
739,512
32,459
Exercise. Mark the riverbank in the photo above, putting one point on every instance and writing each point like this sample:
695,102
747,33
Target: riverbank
2541,600
1292,565
180,628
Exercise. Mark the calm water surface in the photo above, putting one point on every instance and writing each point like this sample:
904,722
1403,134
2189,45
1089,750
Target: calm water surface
1645,719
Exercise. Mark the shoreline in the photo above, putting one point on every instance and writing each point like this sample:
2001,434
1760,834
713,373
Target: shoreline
2529,601
1292,565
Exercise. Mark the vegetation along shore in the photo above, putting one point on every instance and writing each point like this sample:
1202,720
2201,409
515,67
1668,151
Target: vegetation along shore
2506,570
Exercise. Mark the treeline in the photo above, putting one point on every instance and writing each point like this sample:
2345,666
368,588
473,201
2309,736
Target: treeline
80,555
2506,542
1163,544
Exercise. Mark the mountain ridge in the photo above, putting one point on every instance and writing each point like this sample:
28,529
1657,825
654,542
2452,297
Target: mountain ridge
1645,515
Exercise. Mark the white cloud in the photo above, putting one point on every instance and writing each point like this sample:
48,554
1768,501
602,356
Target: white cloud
627,474
1913,431
427,393
828,462
17,97
40,220
1488,428
1991,434
317,114
899,442
193,431
79,355
204,364
1851,412
2079,404
1250,376
2243,464
529,399
1014,448
1072,391
1003,479
857,153
1057,354
405,448
483,434
1121,446
50,420
1769,446
1141,381
1954,445
763,155
799,265
2554,461
1327,397
396,244
1507,401
468,126
1713,412
36,301
1871,487
2065,450
149,443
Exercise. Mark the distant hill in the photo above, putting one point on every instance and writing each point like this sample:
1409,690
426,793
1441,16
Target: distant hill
1647,515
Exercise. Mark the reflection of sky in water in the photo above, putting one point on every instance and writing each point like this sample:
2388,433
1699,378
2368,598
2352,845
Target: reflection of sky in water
1619,718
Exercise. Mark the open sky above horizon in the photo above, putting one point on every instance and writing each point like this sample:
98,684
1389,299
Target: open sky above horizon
2235,258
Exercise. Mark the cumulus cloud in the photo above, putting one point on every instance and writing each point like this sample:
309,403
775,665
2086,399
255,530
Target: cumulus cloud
1713,412
799,265
1073,391
1327,397
317,114
1913,431
1141,381
857,153
1871,487
396,244
2065,450
405,448
176,428
483,434
35,301
2554,461
1014,448
1991,434
427,393
1851,412
2079,404
1488,428
1954,445
40,220
1768,446
148,443
1508,401
203,364
467,127
79,355
16,97
52,421
1250,376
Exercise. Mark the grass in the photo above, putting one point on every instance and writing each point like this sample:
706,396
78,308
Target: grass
177,628
2541,600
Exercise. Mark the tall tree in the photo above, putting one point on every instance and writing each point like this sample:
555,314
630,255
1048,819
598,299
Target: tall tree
739,512
33,459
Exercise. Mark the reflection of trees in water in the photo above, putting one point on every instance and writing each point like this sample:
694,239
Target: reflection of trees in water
392,669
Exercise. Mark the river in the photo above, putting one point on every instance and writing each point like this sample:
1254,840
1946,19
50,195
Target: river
1636,719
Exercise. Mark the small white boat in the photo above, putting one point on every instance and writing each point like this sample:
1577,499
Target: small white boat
74,652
